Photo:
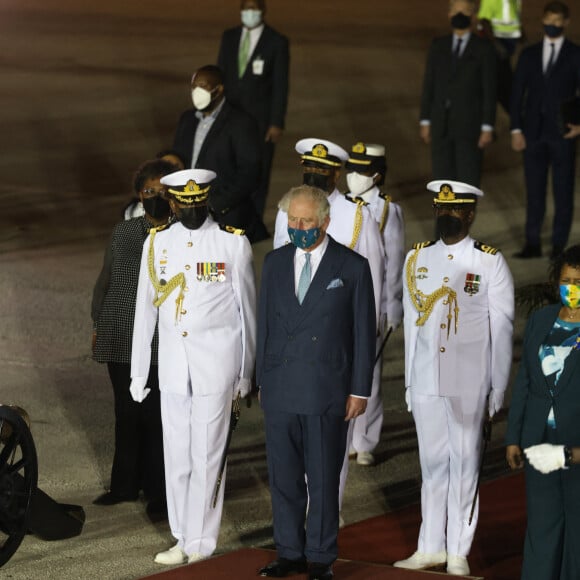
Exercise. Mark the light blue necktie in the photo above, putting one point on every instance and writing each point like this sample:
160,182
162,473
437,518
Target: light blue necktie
304,281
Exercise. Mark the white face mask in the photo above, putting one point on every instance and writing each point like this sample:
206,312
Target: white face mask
251,18
358,183
201,98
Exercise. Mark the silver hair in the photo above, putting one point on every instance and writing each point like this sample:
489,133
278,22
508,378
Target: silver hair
318,196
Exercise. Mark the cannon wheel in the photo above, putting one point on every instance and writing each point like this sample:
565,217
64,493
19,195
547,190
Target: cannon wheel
18,480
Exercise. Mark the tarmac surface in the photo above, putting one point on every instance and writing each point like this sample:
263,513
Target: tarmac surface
89,91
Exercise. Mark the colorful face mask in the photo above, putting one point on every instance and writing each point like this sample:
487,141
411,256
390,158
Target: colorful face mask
570,295
303,239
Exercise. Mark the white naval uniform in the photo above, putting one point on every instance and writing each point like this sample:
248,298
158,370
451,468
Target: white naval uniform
341,229
449,375
389,216
203,355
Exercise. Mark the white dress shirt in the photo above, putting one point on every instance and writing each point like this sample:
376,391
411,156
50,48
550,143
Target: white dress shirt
547,50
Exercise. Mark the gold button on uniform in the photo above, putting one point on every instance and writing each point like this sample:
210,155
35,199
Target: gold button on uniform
189,244
184,333
187,267
450,256
184,312
442,349
443,325
446,279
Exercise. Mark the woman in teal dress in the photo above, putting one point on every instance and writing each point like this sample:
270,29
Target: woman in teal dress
544,422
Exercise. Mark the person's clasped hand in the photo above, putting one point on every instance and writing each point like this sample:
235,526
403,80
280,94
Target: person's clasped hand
138,389
546,457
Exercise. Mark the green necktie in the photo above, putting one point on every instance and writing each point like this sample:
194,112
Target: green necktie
244,53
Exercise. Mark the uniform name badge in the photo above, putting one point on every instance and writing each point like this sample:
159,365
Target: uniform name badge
472,282
258,66
211,271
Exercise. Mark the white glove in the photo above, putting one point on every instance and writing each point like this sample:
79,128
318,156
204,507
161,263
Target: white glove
546,457
243,388
138,390
495,401
408,399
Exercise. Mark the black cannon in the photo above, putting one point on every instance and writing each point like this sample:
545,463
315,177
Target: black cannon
24,507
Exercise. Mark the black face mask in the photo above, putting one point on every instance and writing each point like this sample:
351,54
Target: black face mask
449,226
192,217
460,21
316,180
553,31
156,207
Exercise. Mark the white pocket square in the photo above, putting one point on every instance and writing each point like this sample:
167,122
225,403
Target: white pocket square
336,283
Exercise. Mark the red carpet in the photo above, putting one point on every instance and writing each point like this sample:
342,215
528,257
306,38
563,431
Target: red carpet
367,548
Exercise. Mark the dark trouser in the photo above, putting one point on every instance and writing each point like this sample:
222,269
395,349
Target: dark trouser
261,193
551,548
138,460
311,445
539,155
457,159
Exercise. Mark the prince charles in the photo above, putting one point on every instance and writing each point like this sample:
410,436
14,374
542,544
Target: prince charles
316,348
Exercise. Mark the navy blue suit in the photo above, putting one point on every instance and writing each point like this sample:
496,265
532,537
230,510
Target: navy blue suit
535,109
553,501
310,358
261,91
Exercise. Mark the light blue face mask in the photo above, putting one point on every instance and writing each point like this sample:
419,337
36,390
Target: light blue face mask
304,239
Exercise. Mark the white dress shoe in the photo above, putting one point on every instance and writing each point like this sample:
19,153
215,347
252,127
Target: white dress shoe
171,557
421,560
457,566
365,458
195,557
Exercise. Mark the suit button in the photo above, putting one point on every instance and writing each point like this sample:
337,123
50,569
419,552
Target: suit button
184,312
314,338
189,244
290,337
285,360
187,267
446,279
443,326
184,333
450,256
442,349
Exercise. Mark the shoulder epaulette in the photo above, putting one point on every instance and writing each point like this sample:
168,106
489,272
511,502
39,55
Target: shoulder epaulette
421,245
232,230
358,200
384,195
485,248
159,228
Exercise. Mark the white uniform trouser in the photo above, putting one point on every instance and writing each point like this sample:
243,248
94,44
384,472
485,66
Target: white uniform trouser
364,432
194,435
449,430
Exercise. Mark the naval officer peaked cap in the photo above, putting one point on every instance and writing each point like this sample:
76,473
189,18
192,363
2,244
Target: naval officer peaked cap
189,186
450,192
366,157
320,153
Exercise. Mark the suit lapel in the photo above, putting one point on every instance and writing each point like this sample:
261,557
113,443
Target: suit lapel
544,327
258,49
215,129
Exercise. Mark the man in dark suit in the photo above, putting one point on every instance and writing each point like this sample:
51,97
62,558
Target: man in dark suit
547,75
458,99
255,60
217,136
316,345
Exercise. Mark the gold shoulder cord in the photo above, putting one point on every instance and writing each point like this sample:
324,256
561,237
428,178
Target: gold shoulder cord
385,214
164,290
424,303
358,218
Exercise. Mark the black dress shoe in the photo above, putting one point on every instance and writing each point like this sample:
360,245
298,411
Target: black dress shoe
283,567
320,572
529,251
157,510
111,498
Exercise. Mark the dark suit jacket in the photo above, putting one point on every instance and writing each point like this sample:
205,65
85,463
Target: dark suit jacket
311,357
531,399
469,89
264,96
537,99
232,149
